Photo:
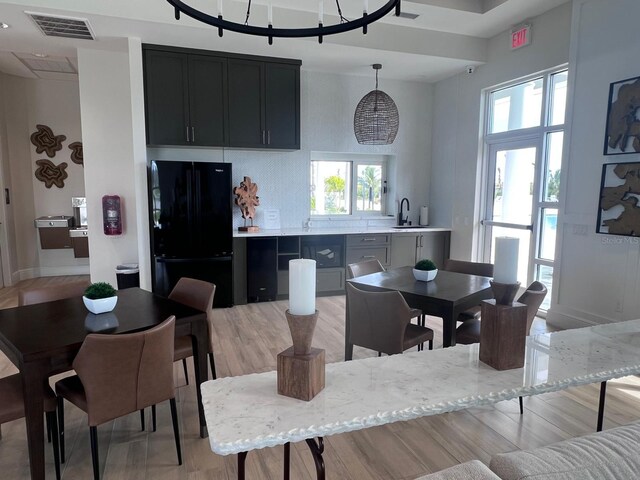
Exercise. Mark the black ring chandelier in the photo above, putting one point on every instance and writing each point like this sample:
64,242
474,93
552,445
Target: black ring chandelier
320,31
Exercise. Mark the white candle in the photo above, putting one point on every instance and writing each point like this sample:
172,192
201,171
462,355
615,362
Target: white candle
505,269
270,13
365,7
302,287
320,11
219,8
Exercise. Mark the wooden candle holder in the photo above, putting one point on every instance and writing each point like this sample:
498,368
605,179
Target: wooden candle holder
504,293
300,368
503,333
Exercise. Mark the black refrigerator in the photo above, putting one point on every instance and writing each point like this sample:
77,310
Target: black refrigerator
191,226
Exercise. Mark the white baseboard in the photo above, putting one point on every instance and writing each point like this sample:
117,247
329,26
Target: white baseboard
37,272
566,318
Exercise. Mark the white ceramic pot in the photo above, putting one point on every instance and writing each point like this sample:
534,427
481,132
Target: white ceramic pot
101,305
425,275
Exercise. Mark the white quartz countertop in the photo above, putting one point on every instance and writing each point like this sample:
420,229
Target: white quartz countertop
245,413
337,231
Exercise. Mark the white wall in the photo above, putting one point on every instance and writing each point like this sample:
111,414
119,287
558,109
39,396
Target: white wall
456,151
598,275
113,135
328,102
28,102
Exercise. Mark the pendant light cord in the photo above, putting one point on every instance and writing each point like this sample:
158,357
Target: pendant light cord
342,19
246,20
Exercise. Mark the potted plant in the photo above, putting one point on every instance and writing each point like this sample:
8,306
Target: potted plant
425,270
100,297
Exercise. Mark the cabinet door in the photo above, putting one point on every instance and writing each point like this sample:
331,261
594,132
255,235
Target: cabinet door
207,78
434,246
246,103
403,249
282,107
262,269
167,98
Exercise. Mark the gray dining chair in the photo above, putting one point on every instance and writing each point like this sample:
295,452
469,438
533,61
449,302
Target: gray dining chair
381,321
367,267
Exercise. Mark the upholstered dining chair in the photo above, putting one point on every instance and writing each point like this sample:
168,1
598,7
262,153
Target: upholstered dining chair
12,408
374,266
470,268
196,294
118,375
30,296
381,321
469,331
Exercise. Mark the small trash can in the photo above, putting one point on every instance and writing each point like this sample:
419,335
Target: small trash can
128,275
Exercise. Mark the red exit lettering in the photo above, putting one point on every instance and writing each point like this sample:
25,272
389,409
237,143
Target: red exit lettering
520,37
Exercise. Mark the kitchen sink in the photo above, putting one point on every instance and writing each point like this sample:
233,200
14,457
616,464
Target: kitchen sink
403,227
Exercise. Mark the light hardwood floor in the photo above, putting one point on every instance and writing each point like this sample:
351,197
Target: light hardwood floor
247,340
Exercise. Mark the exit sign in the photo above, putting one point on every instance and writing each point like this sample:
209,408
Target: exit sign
520,36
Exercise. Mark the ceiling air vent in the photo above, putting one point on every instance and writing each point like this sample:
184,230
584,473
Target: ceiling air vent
59,26
410,16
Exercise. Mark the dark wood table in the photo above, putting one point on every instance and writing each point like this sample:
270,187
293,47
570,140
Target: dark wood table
43,339
446,296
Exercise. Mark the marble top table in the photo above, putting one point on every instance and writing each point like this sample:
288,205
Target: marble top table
245,413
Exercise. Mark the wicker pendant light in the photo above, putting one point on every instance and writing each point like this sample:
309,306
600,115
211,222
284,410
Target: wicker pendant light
376,119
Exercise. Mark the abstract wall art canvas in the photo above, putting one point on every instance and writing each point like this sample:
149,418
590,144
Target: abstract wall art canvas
618,212
623,118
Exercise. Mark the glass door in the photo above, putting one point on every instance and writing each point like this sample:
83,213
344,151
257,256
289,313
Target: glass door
510,204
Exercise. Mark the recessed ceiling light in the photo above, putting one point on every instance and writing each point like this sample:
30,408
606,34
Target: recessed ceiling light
4,25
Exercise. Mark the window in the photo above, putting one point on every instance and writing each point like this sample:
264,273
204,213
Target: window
348,184
523,144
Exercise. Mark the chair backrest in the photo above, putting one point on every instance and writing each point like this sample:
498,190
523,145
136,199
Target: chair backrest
378,319
125,373
194,293
364,268
533,297
30,296
470,268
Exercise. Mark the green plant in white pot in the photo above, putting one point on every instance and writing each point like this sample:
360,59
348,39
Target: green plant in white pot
100,297
425,270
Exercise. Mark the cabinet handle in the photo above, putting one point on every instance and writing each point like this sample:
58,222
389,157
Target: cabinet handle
187,133
263,140
193,134
368,256
268,137
369,239
421,240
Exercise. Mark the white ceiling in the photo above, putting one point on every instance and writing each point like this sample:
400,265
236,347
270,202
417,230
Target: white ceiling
447,36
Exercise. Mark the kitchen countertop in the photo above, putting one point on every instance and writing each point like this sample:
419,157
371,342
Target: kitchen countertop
336,231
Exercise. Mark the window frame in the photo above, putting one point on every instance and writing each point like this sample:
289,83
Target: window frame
355,160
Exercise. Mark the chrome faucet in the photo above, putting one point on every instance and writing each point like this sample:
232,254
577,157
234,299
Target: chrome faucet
401,220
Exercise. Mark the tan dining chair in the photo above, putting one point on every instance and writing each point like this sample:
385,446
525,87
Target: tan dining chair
367,267
30,296
533,296
381,321
470,268
118,375
196,294
12,408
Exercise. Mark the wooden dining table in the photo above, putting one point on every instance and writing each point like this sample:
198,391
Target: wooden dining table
446,296
43,339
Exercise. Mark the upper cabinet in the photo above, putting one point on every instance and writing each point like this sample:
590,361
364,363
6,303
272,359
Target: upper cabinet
203,98
264,104
185,100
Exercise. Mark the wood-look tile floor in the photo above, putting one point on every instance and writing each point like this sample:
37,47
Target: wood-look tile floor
247,340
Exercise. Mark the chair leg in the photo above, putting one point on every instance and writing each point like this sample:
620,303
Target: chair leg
521,408
93,433
53,423
423,319
212,363
153,417
142,420
379,354
176,431
186,372
48,429
430,344
61,427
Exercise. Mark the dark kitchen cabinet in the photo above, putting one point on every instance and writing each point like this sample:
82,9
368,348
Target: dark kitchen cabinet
185,98
262,269
264,104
